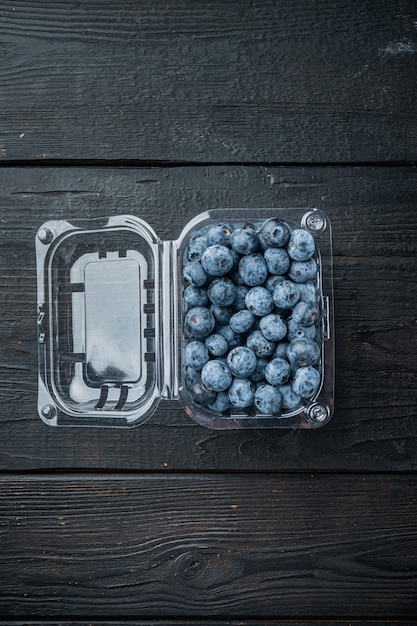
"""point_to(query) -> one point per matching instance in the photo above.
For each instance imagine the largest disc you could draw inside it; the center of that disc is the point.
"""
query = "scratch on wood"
(53, 192)
(395, 48)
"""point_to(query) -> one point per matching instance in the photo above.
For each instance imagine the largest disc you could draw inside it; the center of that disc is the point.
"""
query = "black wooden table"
(164, 110)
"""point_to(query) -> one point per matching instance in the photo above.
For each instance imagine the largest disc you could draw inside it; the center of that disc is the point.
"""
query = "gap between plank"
(105, 475)
(68, 163)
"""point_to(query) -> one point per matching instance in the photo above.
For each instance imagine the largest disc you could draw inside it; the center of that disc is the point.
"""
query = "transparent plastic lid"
(97, 314)
(121, 319)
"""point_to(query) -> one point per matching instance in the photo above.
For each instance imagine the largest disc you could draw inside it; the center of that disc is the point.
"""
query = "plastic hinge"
(325, 313)
(169, 320)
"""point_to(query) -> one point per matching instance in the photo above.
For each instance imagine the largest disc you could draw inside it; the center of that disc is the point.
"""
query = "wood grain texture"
(209, 622)
(375, 262)
(242, 81)
(201, 546)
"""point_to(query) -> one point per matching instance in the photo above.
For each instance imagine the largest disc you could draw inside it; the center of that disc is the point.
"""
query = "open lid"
(98, 321)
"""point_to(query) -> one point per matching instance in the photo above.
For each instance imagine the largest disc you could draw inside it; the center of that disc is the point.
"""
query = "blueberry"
(273, 327)
(259, 373)
(268, 400)
(221, 314)
(261, 346)
(259, 301)
(306, 382)
(194, 273)
(215, 375)
(198, 322)
(219, 234)
(302, 271)
(296, 331)
(196, 247)
(236, 260)
(239, 301)
(241, 361)
(191, 376)
(303, 352)
(196, 355)
(217, 260)
(274, 233)
(245, 240)
(286, 294)
(301, 245)
(277, 371)
(242, 321)
(305, 313)
(221, 291)
(308, 291)
(237, 279)
(201, 394)
(289, 398)
(216, 344)
(281, 350)
(195, 296)
(273, 281)
(221, 402)
(233, 339)
(277, 260)
(253, 269)
(241, 393)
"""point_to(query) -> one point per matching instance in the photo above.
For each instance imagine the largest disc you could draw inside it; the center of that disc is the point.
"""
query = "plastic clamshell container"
(110, 321)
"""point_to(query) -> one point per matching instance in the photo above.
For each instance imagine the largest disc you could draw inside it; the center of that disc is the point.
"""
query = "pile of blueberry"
(251, 318)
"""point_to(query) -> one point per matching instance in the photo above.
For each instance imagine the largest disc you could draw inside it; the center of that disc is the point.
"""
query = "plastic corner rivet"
(48, 411)
(315, 221)
(45, 235)
(318, 413)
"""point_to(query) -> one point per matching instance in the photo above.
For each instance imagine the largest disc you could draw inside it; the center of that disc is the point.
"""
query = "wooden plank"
(374, 232)
(240, 81)
(230, 545)
(211, 622)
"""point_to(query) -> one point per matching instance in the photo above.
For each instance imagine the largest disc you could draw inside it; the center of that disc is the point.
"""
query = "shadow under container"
(110, 321)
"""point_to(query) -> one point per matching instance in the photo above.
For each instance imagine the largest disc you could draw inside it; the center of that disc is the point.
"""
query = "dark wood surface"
(210, 621)
(237, 81)
(164, 110)
(375, 264)
(253, 545)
